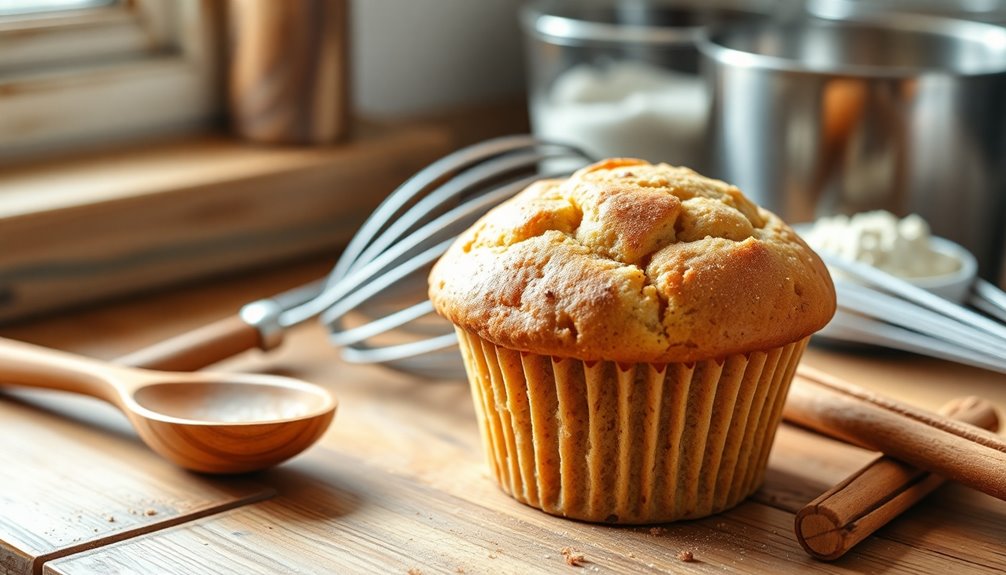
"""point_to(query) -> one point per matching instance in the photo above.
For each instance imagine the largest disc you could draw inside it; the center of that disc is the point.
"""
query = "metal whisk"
(380, 280)
(374, 300)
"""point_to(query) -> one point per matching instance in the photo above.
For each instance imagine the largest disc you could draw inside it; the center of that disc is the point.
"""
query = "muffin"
(630, 334)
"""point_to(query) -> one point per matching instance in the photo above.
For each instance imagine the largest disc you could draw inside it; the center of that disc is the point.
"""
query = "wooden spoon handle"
(198, 348)
(840, 518)
(34, 366)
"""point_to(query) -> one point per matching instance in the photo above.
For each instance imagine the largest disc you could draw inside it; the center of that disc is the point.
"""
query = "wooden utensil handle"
(199, 348)
(846, 514)
(931, 442)
(31, 365)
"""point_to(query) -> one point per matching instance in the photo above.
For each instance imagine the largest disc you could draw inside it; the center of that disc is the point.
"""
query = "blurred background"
(146, 143)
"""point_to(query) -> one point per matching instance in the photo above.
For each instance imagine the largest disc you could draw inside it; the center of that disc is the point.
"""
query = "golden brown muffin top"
(633, 262)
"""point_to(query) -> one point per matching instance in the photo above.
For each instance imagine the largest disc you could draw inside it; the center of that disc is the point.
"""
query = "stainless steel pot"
(909, 115)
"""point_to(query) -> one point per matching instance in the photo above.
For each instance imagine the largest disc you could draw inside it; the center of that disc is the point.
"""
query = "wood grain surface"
(104, 225)
(398, 482)
(349, 517)
(73, 476)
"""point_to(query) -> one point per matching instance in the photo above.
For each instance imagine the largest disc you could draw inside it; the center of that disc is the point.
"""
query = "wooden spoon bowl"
(207, 422)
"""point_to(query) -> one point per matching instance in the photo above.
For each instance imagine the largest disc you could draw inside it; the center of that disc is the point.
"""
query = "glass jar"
(622, 78)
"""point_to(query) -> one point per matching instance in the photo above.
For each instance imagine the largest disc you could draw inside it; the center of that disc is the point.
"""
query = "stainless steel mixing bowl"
(909, 115)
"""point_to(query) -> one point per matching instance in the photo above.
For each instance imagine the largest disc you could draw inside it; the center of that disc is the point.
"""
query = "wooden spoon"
(208, 422)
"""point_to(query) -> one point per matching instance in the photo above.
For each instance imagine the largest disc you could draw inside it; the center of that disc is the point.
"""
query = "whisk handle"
(252, 328)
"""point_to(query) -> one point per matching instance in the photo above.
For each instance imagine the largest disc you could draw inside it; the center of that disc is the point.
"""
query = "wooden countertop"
(398, 485)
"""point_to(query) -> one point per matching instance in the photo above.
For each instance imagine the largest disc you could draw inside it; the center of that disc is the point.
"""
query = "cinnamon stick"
(846, 514)
(926, 440)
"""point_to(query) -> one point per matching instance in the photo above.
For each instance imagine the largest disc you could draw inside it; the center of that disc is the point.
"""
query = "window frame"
(150, 68)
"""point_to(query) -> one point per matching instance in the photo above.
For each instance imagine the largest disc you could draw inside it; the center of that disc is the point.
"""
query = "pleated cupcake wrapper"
(627, 443)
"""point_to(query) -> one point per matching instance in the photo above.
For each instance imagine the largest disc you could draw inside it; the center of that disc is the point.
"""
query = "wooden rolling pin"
(868, 499)
(931, 442)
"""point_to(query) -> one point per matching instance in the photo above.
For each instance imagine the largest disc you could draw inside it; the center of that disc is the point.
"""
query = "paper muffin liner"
(628, 443)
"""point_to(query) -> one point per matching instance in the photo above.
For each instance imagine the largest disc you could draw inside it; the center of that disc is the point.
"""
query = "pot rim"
(714, 45)
(541, 21)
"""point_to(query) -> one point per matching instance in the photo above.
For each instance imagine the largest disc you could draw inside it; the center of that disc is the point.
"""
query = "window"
(75, 71)
(16, 7)
(105, 220)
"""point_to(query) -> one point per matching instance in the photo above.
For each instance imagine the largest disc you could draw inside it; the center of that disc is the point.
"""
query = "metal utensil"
(877, 308)
(384, 265)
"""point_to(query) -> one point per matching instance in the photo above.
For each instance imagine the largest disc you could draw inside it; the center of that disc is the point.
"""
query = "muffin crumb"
(150, 512)
(414, 571)
(658, 531)
(686, 556)
(573, 558)
(110, 518)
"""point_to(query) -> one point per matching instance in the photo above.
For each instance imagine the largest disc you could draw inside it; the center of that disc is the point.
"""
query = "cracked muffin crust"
(632, 262)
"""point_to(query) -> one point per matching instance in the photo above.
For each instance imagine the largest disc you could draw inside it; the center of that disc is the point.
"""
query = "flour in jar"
(627, 108)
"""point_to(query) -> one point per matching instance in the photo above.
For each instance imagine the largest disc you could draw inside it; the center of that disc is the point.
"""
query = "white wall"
(414, 56)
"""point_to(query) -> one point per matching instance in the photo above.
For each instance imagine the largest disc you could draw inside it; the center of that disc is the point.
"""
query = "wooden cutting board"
(398, 484)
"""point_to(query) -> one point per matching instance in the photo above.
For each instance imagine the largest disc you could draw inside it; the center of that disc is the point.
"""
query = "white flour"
(899, 247)
(627, 108)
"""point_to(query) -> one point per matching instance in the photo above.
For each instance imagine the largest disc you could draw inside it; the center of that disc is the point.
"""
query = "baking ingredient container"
(622, 78)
